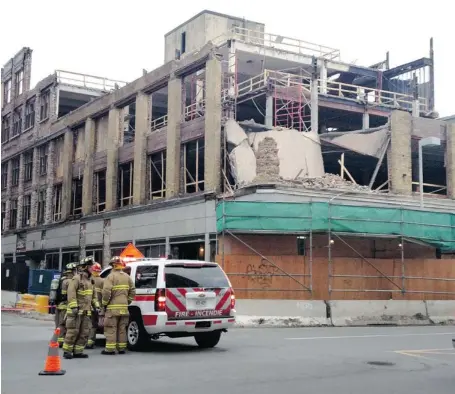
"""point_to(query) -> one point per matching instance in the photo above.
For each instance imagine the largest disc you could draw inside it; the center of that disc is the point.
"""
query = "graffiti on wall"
(261, 275)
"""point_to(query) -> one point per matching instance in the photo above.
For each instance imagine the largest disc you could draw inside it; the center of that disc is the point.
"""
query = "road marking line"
(373, 336)
(415, 355)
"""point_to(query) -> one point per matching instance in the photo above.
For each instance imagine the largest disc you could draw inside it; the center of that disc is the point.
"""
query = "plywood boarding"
(352, 278)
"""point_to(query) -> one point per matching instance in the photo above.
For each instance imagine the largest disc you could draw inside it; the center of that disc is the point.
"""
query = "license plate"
(203, 324)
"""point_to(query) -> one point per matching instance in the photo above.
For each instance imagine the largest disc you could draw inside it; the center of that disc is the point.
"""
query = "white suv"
(178, 298)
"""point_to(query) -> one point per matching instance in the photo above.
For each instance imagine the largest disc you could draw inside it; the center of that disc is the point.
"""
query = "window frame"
(30, 114)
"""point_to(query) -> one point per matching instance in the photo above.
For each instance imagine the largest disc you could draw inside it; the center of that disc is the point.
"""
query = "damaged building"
(296, 171)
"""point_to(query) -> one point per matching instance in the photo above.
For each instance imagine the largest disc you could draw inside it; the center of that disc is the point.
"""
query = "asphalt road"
(373, 360)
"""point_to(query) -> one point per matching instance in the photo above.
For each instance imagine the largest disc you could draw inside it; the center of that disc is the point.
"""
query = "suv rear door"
(196, 291)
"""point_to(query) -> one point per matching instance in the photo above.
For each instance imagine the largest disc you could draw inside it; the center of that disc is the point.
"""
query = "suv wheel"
(208, 339)
(135, 333)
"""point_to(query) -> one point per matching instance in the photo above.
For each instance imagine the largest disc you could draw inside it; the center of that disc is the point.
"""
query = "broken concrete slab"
(243, 163)
(299, 153)
(366, 142)
(235, 135)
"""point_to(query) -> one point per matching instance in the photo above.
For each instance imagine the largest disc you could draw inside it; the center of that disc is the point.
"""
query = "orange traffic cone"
(52, 365)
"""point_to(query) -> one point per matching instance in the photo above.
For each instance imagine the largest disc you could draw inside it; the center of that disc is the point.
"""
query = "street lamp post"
(428, 141)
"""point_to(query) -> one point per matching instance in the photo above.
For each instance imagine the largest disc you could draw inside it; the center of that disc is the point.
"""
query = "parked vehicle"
(178, 298)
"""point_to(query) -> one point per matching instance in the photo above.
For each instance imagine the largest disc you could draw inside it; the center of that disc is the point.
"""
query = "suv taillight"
(160, 300)
(232, 299)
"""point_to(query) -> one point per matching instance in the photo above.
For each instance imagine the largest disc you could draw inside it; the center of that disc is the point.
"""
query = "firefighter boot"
(108, 353)
(68, 355)
(121, 352)
(80, 355)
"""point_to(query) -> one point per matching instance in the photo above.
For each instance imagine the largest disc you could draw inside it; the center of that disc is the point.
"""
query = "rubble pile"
(327, 181)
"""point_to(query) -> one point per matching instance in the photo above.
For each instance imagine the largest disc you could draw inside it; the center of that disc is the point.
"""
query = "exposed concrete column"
(269, 111)
(174, 105)
(113, 138)
(399, 154)
(212, 152)
(232, 71)
(9, 179)
(323, 76)
(143, 111)
(67, 166)
(207, 247)
(314, 105)
(35, 185)
(450, 153)
(87, 180)
(20, 192)
(365, 121)
(48, 217)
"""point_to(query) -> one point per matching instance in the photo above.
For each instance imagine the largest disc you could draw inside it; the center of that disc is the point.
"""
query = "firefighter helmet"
(115, 260)
(88, 261)
(96, 267)
(70, 267)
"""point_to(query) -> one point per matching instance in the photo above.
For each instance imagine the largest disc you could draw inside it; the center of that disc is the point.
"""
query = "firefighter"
(118, 293)
(98, 284)
(62, 300)
(81, 298)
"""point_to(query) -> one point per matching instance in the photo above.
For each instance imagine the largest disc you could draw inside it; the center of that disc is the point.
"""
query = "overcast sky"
(117, 39)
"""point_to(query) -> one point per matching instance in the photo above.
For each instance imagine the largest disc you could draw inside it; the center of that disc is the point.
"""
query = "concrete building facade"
(87, 168)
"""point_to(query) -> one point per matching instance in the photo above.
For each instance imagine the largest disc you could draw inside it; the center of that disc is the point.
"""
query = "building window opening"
(157, 167)
(58, 151)
(193, 158)
(15, 171)
(30, 114)
(96, 254)
(57, 203)
(28, 166)
(19, 82)
(4, 175)
(52, 261)
(129, 123)
(76, 197)
(183, 43)
(26, 210)
(43, 159)
(7, 91)
(3, 215)
(69, 257)
(41, 206)
(13, 214)
(17, 121)
(301, 245)
(100, 194)
(6, 126)
(44, 105)
(125, 190)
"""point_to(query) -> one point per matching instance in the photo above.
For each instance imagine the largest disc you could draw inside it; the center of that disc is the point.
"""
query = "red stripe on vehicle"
(182, 292)
(231, 321)
(217, 292)
(171, 323)
(175, 301)
(217, 322)
(223, 300)
(190, 323)
(149, 320)
(144, 298)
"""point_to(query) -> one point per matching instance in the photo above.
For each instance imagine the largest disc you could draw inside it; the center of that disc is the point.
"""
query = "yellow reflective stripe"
(62, 306)
(72, 304)
(113, 306)
(60, 340)
(90, 342)
(85, 292)
(120, 287)
(64, 292)
(111, 345)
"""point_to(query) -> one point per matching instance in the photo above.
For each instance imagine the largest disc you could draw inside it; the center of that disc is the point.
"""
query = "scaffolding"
(336, 223)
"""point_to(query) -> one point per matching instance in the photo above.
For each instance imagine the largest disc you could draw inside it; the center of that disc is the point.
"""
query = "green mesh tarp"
(434, 228)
